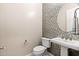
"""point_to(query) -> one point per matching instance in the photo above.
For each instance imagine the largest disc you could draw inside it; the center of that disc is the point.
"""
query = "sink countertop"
(73, 44)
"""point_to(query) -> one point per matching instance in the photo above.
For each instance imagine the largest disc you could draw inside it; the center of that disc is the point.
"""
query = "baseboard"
(30, 54)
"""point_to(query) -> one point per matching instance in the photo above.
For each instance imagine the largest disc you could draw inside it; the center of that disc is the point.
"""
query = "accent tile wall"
(50, 26)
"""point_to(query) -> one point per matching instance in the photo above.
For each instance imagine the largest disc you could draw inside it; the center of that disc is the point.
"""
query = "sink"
(65, 44)
(74, 44)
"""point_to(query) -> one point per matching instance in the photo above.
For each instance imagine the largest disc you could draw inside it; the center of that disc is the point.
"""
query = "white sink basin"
(74, 44)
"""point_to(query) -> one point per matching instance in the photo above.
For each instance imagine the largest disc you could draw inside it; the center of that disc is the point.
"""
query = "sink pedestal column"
(64, 51)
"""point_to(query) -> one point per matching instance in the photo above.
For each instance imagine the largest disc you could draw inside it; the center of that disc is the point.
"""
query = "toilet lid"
(39, 48)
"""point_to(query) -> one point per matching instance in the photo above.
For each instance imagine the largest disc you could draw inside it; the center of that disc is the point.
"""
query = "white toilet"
(41, 49)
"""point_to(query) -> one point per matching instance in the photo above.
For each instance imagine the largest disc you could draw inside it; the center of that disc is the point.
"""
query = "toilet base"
(43, 54)
(48, 54)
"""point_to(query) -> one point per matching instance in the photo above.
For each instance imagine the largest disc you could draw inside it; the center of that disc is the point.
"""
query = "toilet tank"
(46, 42)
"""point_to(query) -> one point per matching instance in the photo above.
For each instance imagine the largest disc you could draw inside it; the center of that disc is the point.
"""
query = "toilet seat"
(38, 50)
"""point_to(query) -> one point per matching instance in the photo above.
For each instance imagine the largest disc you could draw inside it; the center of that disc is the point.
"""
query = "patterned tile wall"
(50, 26)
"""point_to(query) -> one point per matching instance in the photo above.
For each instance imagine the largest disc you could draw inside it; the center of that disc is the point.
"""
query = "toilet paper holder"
(2, 47)
(25, 42)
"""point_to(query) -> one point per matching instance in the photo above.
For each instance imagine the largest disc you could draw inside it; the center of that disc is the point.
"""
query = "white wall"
(20, 22)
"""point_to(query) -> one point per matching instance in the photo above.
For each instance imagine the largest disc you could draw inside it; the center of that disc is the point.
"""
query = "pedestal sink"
(65, 44)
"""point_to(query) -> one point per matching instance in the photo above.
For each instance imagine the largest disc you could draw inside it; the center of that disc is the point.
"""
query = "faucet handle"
(62, 35)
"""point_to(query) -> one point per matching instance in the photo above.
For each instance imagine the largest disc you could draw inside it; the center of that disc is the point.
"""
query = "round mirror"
(63, 16)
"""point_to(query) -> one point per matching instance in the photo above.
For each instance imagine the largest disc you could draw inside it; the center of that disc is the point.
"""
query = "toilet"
(41, 49)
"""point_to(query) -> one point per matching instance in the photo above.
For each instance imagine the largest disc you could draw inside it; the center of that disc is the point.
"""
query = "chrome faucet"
(70, 36)
(67, 35)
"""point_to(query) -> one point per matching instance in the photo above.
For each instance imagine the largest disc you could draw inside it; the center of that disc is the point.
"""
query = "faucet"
(67, 35)
(70, 36)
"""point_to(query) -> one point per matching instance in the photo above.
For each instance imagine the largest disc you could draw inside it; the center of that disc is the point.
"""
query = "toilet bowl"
(41, 49)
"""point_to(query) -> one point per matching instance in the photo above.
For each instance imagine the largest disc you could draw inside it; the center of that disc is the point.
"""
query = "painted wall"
(20, 22)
